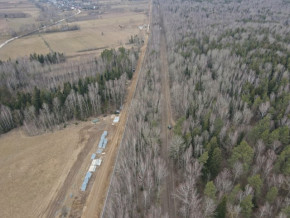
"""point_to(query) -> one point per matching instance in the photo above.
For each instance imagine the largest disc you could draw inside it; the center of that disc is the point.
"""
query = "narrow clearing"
(55, 204)
(96, 198)
(168, 202)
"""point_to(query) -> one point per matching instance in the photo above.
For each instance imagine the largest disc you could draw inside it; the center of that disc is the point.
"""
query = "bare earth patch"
(33, 168)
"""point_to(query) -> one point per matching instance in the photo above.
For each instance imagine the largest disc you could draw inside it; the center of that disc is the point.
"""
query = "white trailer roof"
(94, 162)
(92, 168)
(99, 162)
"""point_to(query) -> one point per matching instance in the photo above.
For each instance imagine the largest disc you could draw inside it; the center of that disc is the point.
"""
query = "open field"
(97, 33)
(110, 27)
(69, 191)
(21, 47)
(9, 25)
(36, 168)
(33, 168)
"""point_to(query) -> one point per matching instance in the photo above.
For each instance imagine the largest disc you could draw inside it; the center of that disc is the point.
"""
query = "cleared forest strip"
(97, 196)
(167, 119)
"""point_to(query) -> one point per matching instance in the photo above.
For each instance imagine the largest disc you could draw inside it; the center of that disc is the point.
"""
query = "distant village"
(68, 5)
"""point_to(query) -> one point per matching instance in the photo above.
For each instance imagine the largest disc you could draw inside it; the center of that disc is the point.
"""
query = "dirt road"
(33, 169)
(96, 199)
(55, 204)
(168, 202)
(37, 30)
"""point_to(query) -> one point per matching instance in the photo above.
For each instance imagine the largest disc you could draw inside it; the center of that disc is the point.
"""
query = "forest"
(44, 92)
(229, 63)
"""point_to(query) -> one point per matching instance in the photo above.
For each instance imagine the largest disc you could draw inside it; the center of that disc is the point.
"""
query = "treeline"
(42, 109)
(25, 74)
(62, 28)
(136, 39)
(51, 58)
(13, 15)
(230, 94)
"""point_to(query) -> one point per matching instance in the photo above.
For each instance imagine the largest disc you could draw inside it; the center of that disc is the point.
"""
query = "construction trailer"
(99, 151)
(94, 162)
(92, 168)
(86, 181)
(98, 162)
(93, 156)
(103, 141)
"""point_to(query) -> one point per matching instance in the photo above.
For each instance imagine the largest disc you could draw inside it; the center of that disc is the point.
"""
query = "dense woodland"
(46, 91)
(140, 171)
(229, 64)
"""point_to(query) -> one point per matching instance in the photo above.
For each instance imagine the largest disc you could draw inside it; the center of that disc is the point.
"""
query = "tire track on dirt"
(54, 205)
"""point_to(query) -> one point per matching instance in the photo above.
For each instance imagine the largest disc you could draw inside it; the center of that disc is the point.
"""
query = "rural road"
(34, 31)
(96, 201)
(168, 201)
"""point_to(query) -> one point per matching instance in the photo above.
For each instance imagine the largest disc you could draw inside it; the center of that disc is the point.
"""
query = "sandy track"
(34, 168)
(168, 201)
(96, 199)
(54, 205)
